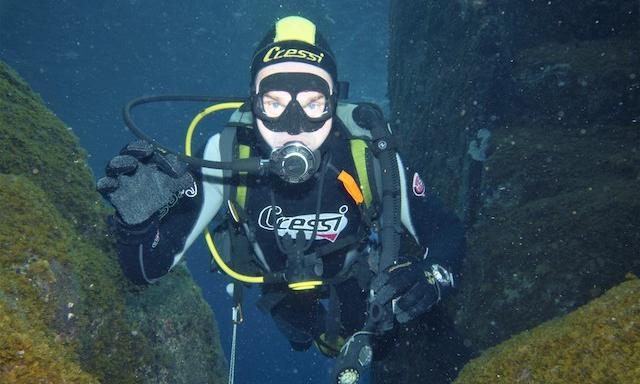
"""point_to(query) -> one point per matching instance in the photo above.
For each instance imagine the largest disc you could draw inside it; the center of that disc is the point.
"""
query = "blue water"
(87, 59)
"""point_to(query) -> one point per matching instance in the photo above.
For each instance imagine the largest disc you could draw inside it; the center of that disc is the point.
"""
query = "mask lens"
(314, 104)
(293, 102)
(274, 103)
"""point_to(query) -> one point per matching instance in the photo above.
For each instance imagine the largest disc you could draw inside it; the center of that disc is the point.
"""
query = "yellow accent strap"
(295, 28)
(358, 152)
(351, 186)
(398, 266)
(327, 348)
(305, 285)
(244, 151)
(234, 211)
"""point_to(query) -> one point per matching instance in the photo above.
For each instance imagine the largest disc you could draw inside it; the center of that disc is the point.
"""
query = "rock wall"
(66, 312)
(527, 115)
(597, 343)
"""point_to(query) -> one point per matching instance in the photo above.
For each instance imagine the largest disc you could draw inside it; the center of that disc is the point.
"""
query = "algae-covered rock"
(532, 138)
(554, 231)
(578, 83)
(30, 355)
(36, 144)
(559, 217)
(172, 314)
(597, 343)
(66, 312)
(528, 129)
(40, 314)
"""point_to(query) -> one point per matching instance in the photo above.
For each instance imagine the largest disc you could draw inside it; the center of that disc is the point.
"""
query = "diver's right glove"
(143, 184)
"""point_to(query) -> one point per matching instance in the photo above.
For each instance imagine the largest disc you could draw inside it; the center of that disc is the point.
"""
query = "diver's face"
(292, 102)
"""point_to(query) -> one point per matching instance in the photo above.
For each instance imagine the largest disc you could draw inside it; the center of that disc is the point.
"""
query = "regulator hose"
(251, 165)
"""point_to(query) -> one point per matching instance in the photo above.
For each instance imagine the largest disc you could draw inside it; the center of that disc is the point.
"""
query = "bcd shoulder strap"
(234, 144)
(232, 147)
(367, 165)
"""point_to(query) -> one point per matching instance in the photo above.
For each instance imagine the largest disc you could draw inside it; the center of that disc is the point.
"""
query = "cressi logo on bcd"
(329, 224)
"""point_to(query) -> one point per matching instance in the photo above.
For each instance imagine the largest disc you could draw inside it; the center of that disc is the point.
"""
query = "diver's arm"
(148, 252)
(415, 283)
(436, 228)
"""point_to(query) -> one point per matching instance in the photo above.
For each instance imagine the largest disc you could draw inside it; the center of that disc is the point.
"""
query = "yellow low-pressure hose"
(224, 267)
(207, 235)
(196, 120)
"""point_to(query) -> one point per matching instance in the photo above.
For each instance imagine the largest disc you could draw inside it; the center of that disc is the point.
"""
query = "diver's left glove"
(407, 289)
(141, 182)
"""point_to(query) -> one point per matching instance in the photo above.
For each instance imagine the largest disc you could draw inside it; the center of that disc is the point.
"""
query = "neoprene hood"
(294, 38)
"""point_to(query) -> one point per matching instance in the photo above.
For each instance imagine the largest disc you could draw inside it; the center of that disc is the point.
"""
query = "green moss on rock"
(558, 227)
(36, 144)
(551, 207)
(29, 354)
(597, 343)
(557, 223)
(67, 314)
(65, 292)
(179, 322)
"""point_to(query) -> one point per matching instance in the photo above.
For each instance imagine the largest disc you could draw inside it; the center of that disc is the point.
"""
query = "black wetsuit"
(274, 207)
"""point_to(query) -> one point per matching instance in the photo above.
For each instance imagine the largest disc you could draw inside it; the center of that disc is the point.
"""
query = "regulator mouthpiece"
(294, 162)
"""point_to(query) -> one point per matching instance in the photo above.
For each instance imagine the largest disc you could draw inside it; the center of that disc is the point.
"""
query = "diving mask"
(293, 102)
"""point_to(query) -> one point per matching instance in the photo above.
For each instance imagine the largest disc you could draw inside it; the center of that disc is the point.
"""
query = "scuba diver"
(346, 242)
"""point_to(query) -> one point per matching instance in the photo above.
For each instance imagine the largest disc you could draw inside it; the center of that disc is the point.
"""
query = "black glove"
(141, 183)
(406, 290)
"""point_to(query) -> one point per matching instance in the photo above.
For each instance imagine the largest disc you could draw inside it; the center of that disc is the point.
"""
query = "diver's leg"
(353, 306)
(298, 316)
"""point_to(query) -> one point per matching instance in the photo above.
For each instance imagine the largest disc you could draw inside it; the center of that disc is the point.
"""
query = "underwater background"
(87, 59)
(524, 117)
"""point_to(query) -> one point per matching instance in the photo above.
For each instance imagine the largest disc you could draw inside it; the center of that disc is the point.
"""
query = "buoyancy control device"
(292, 163)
